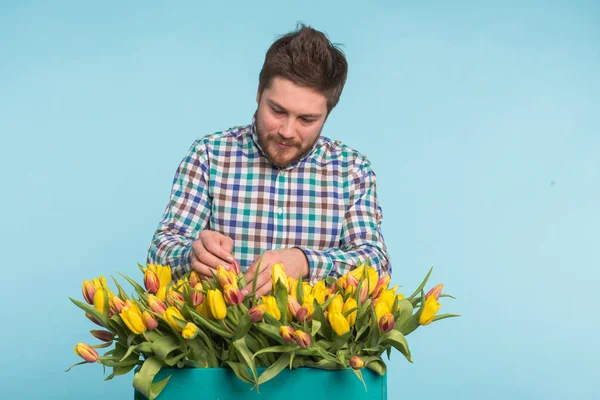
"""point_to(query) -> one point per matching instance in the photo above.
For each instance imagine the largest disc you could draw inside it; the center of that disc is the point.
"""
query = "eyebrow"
(276, 105)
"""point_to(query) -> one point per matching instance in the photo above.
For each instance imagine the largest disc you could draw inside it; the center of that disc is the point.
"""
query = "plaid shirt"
(325, 205)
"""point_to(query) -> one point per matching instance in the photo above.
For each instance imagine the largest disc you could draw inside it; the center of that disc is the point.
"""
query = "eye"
(277, 111)
(307, 120)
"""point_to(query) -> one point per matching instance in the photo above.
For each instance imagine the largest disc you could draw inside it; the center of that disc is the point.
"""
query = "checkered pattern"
(325, 204)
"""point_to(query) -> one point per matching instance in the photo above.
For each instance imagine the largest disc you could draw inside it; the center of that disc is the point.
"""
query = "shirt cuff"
(319, 264)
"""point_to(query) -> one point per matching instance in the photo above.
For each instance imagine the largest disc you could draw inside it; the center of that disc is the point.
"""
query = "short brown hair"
(307, 58)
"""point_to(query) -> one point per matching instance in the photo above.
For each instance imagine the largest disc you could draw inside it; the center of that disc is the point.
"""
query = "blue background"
(480, 119)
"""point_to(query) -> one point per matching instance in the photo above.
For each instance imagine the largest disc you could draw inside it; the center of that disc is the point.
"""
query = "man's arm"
(187, 213)
(361, 236)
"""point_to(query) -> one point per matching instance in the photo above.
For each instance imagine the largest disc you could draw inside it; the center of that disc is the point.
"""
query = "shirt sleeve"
(187, 213)
(361, 238)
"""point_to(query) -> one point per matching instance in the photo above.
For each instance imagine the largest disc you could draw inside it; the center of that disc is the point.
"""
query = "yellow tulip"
(256, 313)
(336, 305)
(99, 282)
(233, 295)
(387, 296)
(99, 303)
(302, 338)
(226, 277)
(339, 324)
(149, 320)
(216, 304)
(356, 362)
(272, 308)
(151, 281)
(319, 294)
(162, 293)
(286, 333)
(117, 304)
(132, 316)
(371, 275)
(435, 291)
(156, 304)
(278, 274)
(89, 290)
(163, 273)
(306, 288)
(197, 295)
(381, 308)
(203, 309)
(293, 306)
(194, 279)
(349, 305)
(382, 284)
(87, 352)
(386, 323)
(174, 298)
(292, 287)
(428, 311)
(170, 314)
(190, 331)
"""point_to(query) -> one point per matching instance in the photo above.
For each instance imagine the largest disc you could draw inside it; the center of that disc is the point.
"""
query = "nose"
(286, 130)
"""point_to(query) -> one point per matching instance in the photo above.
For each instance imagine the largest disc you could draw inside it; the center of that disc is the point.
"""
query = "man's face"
(289, 120)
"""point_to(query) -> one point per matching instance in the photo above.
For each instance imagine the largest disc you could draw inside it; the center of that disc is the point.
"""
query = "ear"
(258, 95)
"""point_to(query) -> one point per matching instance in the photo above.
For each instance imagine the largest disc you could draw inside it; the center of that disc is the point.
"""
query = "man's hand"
(294, 262)
(211, 250)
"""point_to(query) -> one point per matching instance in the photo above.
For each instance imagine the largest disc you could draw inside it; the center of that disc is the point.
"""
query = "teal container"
(300, 383)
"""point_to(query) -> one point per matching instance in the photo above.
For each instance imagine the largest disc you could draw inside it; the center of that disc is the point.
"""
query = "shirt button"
(280, 211)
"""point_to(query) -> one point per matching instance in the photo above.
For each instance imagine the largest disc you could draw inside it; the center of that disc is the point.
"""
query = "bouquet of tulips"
(344, 323)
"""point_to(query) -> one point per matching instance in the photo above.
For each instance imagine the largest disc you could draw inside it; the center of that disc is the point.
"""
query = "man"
(277, 188)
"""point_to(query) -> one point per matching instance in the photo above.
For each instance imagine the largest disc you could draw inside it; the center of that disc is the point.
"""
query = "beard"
(282, 157)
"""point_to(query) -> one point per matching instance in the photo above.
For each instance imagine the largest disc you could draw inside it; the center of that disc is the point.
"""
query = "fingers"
(264, 276)
(264, 289)
(214, 245)
(249, 274)
(200, 267)
(213, 249)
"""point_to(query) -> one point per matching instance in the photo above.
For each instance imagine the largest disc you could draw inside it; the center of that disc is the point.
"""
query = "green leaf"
(122, 293)
(325, 330)
(397, 339)
(300, 291)
(443, 316)
(254, 280)
(277, 349)
(421, 286)
(281, 295)
(74, 365)
(405, 311)
(243, 327)
(140, 290)
(165, 346)
(243, 350)
(271, 320)
(142, 380)
(323, 364)
(269, 330)
(144, 347)
(240, 370)
(120, 371)
(316, 325)
(211, 325)
(359, 375)
(375, 364)
(274, 369)
(100, 317)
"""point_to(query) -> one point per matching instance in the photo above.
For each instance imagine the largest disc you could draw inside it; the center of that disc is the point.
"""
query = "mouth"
(283, 145)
